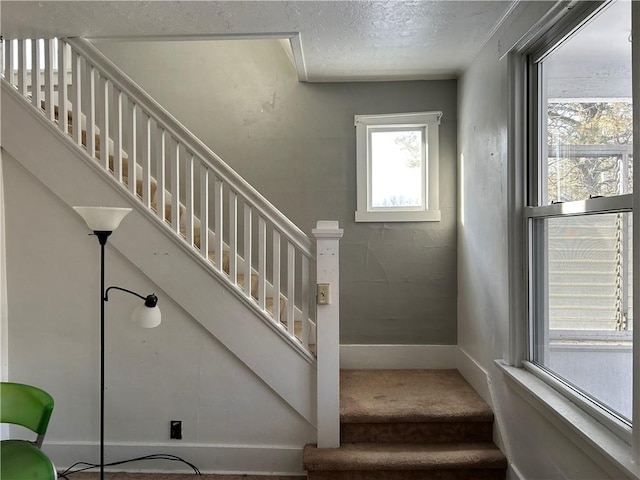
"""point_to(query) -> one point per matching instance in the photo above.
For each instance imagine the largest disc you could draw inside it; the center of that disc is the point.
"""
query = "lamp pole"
(102, 238)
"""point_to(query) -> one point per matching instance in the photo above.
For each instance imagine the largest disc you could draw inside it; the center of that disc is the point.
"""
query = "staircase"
(104, 141)
(409, 424)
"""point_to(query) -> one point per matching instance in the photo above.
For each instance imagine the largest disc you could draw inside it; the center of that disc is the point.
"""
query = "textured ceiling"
(338, 40)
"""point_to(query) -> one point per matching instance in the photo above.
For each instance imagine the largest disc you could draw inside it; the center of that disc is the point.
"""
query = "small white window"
(397, 163)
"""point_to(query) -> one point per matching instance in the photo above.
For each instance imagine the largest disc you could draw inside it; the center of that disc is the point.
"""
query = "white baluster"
(63, 93)
(204, 210)
(77, 97)
(304, 299)
(36, 82)
(175, 187)
(49, 55)
(161, 169)
(189, 197)
(22, 67)
(262, 261)
(132, 173)
(146, 160)
(8, 60)
(91, 110)
(247, 249)
(218, 203)
(328, 236)
(291, 293)
(105, 134)
(233, 236)
(118, 133)
(276, 275)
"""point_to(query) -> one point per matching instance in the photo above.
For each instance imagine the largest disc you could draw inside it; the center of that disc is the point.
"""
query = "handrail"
(180, 132)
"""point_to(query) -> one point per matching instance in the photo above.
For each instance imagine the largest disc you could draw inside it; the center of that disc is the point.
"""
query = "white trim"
(437, 357)
(513, 473)
(605, 448)
(619, 203)
(400, 216)
(517, 145)
(298, 57)
(591, 408)
(4, 316)
(208, 458)
(408, 119)
(475, 374)
(635, 85)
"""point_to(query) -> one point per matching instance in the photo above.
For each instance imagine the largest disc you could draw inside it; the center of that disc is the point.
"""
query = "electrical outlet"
(324, 293)
(175, 429)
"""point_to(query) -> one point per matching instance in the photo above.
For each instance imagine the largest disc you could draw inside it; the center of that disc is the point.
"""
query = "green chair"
(29, 407)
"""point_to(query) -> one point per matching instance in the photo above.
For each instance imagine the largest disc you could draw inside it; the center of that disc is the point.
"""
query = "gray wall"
(535, 445)
(295, 143)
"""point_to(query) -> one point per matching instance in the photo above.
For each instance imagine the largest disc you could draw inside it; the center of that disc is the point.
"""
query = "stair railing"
(249, 243)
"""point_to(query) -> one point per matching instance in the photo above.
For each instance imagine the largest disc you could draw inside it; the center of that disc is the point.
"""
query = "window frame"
(365, 125)
(524, 208)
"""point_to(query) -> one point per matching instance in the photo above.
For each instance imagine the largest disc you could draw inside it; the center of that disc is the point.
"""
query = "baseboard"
(513, 473)
(208, 458)
(473, 373)
(398, 356)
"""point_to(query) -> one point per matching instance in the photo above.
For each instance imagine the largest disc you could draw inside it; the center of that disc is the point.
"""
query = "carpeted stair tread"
(254, 283)
(399, 456)
(385, 396)
(196, 235)
(225, 259)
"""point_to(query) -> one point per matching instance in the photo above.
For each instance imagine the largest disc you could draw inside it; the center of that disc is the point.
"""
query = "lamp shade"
(146, 317)
(102, 219)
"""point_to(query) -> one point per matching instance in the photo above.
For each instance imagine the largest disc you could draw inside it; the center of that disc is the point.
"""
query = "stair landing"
(408, 396)
(409, 424)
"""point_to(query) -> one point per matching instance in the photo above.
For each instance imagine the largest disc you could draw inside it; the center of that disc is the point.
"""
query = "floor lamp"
(102, 221)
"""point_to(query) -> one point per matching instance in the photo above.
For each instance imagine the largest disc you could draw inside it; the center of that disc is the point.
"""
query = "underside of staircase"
(409, 425)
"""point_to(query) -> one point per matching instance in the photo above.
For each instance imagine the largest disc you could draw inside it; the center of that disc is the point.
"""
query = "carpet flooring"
(384, 396)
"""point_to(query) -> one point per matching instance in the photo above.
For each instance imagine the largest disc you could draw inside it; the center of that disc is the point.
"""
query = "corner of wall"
(475, 374)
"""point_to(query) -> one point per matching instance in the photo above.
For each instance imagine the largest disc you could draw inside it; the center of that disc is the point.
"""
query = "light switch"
(324, 293)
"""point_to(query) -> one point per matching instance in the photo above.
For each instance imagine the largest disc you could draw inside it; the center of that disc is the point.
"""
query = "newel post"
(328, 234)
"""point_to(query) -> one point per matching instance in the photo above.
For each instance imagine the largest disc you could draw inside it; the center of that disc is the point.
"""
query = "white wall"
(535, 446)
(231, 420)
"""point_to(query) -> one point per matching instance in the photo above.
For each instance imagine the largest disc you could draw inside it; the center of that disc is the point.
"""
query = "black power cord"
(160, 456)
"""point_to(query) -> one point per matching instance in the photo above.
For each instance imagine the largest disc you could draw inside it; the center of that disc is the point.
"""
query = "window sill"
(399, 216)
(573, 422)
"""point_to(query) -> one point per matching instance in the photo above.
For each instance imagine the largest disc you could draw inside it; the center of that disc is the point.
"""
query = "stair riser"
(427, 432)
(462, 474)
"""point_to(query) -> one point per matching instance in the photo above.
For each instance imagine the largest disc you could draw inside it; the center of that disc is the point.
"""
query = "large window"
(579, 215)
(397, 165)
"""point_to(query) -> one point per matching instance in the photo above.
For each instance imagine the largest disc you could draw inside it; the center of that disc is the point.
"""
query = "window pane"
(397, 170)
(586, 93)
(583, 277)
